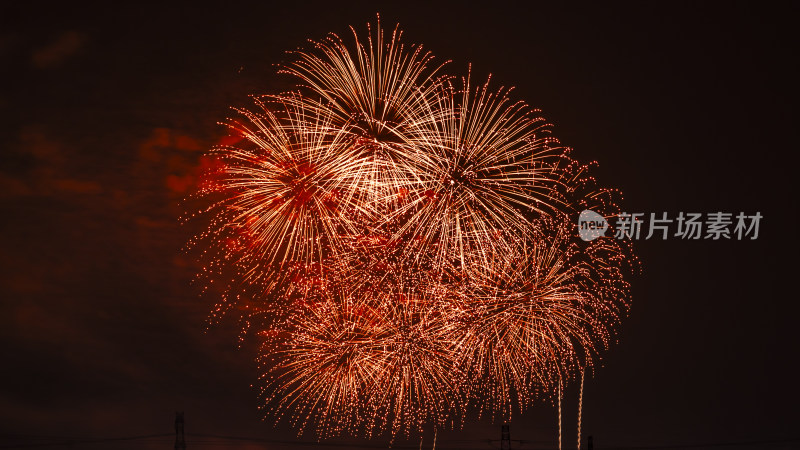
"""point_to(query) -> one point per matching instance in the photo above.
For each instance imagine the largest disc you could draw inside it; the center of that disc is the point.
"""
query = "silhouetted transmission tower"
(180, 442)
(505, 438)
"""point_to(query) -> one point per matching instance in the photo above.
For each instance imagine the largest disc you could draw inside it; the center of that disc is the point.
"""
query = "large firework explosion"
(400, 243)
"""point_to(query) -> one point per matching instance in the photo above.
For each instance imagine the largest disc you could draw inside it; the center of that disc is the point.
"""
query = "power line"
(316, 444)
(64, 441)
(714, 444)
(83, 441)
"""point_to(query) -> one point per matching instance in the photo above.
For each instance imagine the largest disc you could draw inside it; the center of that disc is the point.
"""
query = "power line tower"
(180, 442)
(505, 437)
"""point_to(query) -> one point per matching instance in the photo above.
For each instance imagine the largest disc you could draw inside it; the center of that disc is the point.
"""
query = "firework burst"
(366, 359)
(488, 170)
(403, 246)
(532, 320)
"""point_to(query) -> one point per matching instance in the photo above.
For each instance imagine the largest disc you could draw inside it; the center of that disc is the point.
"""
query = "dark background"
(106, 110)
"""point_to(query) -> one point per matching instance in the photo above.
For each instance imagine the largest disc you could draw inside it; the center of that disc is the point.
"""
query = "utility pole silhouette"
(180, 442)
(505, 437)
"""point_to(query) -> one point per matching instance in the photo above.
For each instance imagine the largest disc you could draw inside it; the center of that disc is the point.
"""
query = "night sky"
(106, 111)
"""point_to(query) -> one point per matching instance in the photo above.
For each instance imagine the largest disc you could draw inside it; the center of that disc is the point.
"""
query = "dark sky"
(106, 111)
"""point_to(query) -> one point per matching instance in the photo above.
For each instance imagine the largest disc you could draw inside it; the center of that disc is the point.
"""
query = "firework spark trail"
(402, 247)
(580, 410)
